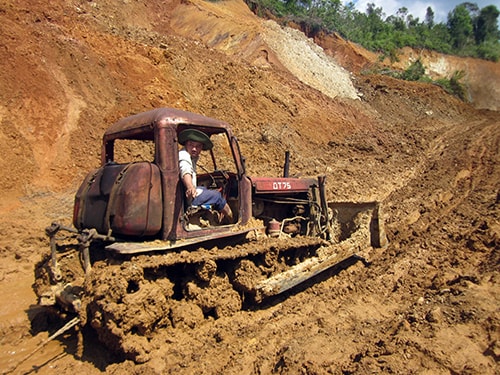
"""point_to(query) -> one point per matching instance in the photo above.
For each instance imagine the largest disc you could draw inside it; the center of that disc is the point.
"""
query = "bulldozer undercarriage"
(128, 298)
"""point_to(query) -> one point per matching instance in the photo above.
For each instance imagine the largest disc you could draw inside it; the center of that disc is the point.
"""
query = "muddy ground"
(428, 303)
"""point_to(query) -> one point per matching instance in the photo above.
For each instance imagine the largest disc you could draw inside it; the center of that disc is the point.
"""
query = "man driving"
(195, 141)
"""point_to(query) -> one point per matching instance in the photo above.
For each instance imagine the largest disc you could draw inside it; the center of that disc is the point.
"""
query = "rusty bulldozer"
(137, 245)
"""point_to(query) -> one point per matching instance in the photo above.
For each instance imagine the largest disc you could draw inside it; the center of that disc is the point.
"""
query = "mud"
(427, 303)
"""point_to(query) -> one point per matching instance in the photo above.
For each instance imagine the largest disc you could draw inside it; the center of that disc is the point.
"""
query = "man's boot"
(227, 215)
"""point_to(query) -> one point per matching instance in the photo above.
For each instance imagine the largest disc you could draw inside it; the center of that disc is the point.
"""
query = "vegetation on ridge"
(416, 72)
(469, 30)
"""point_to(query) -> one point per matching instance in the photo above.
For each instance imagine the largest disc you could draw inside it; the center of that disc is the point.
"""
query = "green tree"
(329, 12)
(453, 85)
(472, 8)
(440, 38)
(414, 72)
(402, 15)
(375, 18)
(486, 24)
(460, 26)
(429, 17)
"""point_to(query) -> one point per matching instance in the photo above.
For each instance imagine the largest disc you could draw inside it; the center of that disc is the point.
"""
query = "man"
(194, 141)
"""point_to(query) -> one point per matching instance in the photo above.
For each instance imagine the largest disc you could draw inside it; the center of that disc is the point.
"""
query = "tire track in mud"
(445, 175)
(424, 269)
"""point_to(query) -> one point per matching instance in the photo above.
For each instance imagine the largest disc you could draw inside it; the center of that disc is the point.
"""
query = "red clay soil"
(427, 303)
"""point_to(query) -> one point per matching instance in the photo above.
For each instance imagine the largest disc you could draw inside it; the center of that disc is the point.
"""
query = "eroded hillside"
(426, 303)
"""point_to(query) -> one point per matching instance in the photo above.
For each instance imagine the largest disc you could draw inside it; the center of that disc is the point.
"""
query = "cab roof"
(143, 125)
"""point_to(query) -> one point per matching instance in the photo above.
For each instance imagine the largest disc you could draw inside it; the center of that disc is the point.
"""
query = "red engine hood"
(282, 184)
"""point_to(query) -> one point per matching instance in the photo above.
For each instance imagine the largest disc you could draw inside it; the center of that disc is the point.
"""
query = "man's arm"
(187, 179)
(186, 172)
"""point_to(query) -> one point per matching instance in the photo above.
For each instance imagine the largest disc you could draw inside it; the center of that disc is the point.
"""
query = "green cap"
(197, 136)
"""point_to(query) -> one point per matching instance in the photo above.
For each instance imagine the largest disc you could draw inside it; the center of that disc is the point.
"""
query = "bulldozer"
(140, 258)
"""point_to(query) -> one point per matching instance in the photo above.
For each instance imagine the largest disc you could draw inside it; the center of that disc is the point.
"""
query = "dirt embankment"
(428, 303)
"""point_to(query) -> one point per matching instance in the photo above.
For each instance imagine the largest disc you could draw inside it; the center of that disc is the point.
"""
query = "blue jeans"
(210, 197)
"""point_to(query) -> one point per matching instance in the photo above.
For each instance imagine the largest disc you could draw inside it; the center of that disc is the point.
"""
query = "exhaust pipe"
(286, 167)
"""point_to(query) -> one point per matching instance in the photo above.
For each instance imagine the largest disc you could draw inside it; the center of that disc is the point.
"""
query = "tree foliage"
(469, 31)
(460, 27)
(453, 85)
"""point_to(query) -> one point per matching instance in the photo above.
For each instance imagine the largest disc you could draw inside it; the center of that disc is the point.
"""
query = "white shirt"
(187, 165)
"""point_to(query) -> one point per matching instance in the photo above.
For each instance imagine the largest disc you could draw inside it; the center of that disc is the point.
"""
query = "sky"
(418, 8)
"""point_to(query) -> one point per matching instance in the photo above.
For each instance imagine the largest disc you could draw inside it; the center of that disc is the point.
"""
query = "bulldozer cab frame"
(155, 134)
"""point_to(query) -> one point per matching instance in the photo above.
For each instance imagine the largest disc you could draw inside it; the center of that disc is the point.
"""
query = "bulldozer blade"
(357, 228)
(364, 217)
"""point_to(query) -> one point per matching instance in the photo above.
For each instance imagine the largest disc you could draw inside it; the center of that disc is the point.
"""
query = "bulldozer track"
(129, 300)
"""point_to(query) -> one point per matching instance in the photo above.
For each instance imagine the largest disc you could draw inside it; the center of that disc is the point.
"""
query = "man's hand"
(191, 192)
